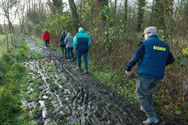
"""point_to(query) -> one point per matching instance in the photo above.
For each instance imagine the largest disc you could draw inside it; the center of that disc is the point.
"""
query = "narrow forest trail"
(58, 94)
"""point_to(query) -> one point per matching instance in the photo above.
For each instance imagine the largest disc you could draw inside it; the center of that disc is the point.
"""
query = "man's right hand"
(128, 73)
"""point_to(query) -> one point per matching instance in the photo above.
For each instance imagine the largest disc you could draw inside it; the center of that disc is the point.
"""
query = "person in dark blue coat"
(152, 56)
(62, 44)
(82, 43)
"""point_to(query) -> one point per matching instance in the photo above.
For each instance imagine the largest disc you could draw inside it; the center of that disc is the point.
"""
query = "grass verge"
(12, 78)
(37, 40)
(2, 46)
(118, 83)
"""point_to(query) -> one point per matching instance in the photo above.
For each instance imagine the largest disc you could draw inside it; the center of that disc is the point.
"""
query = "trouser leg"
(144, 91)
(71, 53)
(62, 49)
(86, 60)
(79, 55)
(68, 53)
(46, 43)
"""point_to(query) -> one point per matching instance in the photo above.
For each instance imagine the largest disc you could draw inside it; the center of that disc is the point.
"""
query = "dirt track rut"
(59, 94)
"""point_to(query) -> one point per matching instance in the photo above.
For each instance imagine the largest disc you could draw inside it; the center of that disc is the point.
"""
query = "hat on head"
(81, 29)
(150, 30)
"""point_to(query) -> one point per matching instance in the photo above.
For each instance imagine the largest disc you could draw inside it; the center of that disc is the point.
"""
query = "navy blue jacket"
(152, 56)
(62, 39)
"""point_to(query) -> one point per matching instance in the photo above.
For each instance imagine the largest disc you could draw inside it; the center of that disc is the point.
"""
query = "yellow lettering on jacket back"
(159, 48)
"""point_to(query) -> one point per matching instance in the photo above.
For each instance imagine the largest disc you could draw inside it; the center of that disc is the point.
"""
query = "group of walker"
(81, 42)
(152, 56)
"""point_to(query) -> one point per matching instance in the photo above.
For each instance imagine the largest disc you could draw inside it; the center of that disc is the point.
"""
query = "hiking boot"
(85, 72)
(150, 121)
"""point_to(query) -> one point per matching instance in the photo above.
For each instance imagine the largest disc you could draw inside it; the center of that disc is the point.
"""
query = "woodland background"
(116, 28)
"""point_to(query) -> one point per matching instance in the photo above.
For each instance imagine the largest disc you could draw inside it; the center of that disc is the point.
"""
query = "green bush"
(16, 72)
(12, 76)
(22, 53)
(185, 51)
(9, 107)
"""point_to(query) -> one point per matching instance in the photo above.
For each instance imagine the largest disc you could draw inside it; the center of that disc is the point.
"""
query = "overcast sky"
(13, 11)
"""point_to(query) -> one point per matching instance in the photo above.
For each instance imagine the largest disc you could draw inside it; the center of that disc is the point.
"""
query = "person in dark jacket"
(62, 44)
(82, 43)
(152, 56)
(46, 38)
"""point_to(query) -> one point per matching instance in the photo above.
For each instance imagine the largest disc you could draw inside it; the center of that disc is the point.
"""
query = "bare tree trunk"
(157, 15)
(29, 5)
(102, 4)
(168, 17)
(21, 16)
(7, 15)
(125, 13)
(141, 4)
(125, 9)
(104, 12)
(57, 5)
(6, 6)
(74, 13)
(6, 30)
(115, 7)
(41, 5)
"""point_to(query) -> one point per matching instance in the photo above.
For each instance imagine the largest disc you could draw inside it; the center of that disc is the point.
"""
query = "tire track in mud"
(64, 95)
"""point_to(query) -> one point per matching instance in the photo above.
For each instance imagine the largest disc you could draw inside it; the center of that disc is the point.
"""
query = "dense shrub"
(9, 107)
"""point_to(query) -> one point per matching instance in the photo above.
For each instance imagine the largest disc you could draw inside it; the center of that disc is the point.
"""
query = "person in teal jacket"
(82, 43)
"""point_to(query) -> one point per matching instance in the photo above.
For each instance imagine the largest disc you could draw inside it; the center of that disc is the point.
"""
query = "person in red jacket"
(46, 38)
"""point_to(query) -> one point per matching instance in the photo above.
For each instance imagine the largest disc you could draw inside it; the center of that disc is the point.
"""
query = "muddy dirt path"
(58, 94)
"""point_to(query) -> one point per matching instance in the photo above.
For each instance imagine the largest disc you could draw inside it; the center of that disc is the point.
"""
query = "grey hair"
(152, 30)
